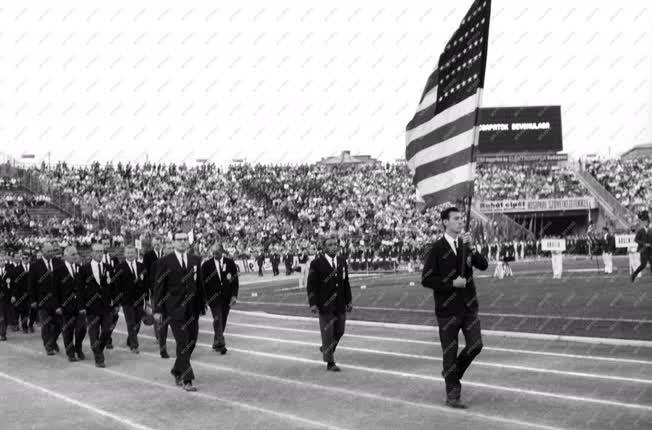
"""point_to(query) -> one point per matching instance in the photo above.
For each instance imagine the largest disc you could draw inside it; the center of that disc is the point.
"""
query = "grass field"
(273, 377)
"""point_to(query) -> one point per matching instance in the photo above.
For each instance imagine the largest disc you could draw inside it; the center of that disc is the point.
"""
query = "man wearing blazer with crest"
(179, 294)
(220, 275)
(45, 297)
(448, 271)
(66, 276)
(96, 294)
(329, 294)
(132, 294)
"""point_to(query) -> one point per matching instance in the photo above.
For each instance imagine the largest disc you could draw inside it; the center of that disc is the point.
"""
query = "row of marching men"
(75, 300)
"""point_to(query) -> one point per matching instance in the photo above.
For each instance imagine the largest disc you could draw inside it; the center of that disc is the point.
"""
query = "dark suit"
(275, 259)
(112, 263)
(74, 325)
(260, 260)
(44, 292)
(98, 301)
(5, 301)
(179, 294)
(219, 291)
(132, 295)
(455, 308)
(644, 240)
(330, 291)
(150, 261)
(20, 291)
(608, 243)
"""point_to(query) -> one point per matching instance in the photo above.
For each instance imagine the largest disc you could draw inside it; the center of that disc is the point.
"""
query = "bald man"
(132, 293)
(97, 301)
(221, 284)
(45, 297)
(66, 277)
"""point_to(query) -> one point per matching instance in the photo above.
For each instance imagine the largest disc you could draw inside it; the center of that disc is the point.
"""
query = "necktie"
(50, 265)
(133, 269)
(183, 262)
(333, 260)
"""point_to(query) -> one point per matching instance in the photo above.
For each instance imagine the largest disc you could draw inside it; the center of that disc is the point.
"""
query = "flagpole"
(469, 196)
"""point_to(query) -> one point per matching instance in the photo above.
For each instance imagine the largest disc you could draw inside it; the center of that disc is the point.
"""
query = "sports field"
(574, 353)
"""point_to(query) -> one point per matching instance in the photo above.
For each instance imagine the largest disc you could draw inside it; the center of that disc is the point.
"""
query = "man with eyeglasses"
(179, 294)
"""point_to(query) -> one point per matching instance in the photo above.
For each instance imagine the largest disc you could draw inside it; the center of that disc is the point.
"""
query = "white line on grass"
(437, 379)
(124, 421)
(432, 358)
(436, 344)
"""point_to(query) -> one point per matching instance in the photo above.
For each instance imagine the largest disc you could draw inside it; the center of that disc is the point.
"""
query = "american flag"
(441, 137)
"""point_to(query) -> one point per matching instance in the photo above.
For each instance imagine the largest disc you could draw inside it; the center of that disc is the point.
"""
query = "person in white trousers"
(557, 264)
(608, 249)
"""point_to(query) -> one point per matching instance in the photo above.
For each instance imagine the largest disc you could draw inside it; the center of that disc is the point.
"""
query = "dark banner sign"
(520, 129)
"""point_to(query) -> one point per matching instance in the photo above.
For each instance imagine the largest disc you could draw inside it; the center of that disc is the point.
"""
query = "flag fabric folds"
(441, 137)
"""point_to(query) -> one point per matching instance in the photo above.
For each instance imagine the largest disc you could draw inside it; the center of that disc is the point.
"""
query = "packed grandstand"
(261, 209)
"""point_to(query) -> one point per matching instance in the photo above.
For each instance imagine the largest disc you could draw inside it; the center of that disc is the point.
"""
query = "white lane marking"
(500, 333)
(438, 379)
(335, 390)
(433, 358)
(431, 343)
(282, 415)
(97, 411)
(489, 314)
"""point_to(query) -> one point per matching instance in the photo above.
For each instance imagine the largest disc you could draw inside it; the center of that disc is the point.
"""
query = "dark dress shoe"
(3, 338)
(25, 330)
(189, 387)
(101, 365)
(109, 346)
(50, 352)
(31, 329)
(177, 380)
(332, 367)
(455, 403)
(81, 355)
(72, 358)
(223, 351)
(55, 347)
(135, 350)
(164, 354)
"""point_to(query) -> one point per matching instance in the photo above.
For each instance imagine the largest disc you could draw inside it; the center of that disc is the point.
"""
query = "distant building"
(345, 158)
(639, 151)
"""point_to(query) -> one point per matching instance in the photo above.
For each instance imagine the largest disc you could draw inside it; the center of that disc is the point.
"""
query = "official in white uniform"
(557, 264)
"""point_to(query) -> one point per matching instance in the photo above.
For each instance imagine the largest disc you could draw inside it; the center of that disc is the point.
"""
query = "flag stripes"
(441, 137)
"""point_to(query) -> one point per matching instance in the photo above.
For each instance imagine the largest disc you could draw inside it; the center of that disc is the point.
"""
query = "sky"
(293, 82)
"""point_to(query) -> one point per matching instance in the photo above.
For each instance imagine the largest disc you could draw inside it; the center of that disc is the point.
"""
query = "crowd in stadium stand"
(628, 181)
(267, 209)
(526, 181)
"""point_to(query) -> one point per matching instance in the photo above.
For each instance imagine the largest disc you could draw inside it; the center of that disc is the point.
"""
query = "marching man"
(557, 259)
(608, 249)
(632, 253)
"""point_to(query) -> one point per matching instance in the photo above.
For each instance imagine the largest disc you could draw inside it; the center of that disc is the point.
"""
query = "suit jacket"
(642, 237)
(608, 244)
(217, 287)
(149, 260)
(329, 290)
(43, 289)
(5, 287)
(440, 268)
(67, 289)
(96, 299)
(131, 289)
(20, 286)
(179, 294)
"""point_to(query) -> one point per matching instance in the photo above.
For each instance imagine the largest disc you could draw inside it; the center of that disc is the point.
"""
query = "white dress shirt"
(71, 270)
(451, 241)
(218, 267)
(183, 259)
(97, 269)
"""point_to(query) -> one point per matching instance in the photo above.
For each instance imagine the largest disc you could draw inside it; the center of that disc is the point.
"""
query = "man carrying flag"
(440, 152)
